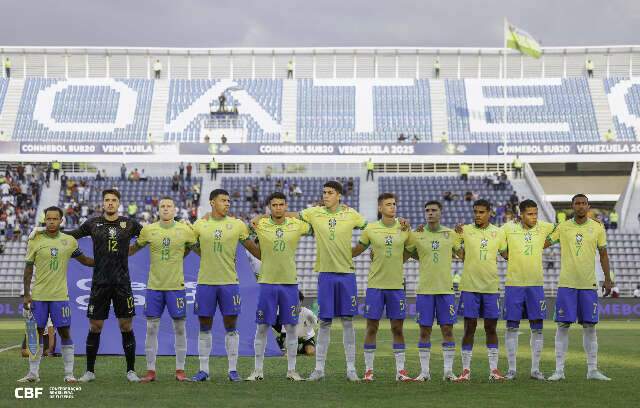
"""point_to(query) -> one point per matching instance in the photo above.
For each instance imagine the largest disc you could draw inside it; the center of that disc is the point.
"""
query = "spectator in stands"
(517, 167)
(175, 182)
(181, 171)
(513, 202)
(234, 109)
(267, 172)
(464, 171)
(123, 172)
(589, 67)
(495, 181)
(402, 138)
(132, 209)
(248, 193)
(189, 170)
(609, 136)
(297, 191)
(196, 194)
(615, 292)
(56, 166)
(278, 185)
(290, 69)
(254, 194)
(501, 210)
(48, 174)
(157, 69)
(447, 196)
(636, 292)
(64, 179)
(221, 103)
(213, 168)
(444, 138)
(436, 68)
(350, 186)
(7, 67)
(415, 139)
(223, 140)
(98, 176)
(370, 168)
(468, 196)
(613, 219)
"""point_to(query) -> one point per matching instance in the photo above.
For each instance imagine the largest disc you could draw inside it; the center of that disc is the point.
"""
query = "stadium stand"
(632, 102)
(4, 84)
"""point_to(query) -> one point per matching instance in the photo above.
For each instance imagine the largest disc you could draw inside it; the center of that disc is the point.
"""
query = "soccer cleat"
(368, 376)
(255, 376)
(449, 376)
(597, 375)
(233, 376)
(316, 375)
(132, 376)
(294, 376)
(556, 376)
(30, 377)
(510, 375)
(352, 376)
(149, 376)
(200, 376)
(465, 376)
(496, 375)
(181, 376)
(537, 375)
(423, 377)
(70, 379)
(87, 377)
(403, 376)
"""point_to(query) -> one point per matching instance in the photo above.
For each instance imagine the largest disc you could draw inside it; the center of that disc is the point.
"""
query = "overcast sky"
(222, 23)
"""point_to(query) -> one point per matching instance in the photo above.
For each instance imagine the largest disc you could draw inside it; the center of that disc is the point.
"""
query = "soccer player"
(111, 283)
(577, 297)
(385, 283)
(218, 237)
(479, 287)
(49, 253)
(524, 290)
(278, 237)
(435, 245)
(168, 241)
(305, 330)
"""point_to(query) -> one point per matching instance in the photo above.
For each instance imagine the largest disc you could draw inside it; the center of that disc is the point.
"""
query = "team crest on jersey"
(579, 239)
(166, 242)
(332, 223)
(54, 251)
(260, 314)
(112, 233)
(484, 242)
(279, 233)
(527, 237)
(217, 234)
(123, 224)
(435, 245)
(388, 240)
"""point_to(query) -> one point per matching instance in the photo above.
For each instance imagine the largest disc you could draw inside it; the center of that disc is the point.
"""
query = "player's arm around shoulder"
(554, 237)
(363, 242)
(142, 240)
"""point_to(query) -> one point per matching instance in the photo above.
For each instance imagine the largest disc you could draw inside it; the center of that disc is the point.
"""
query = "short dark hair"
(527, 204)
(433, 202)
(166, 198)
(579, 196)
(482, 203)
(53, 208)
(277, 195)
(386, 196)
(334, 185)
(111, 191)
(300, 296)
(217, 192)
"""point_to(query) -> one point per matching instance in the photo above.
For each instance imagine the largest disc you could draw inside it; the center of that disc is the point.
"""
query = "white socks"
(324, 338)
(562, 344)
(511, 343)
(67, 358)
(232, 344)
(467, 353)
(492, 351)
(151, 342)
(398, 353)
(369, 356)
(448, 354)
(292, 346)
(424, 352)
(349, 341)
(590, 344)
(536, 342)
(34, 365)
(259, 345)
(204, 349)
(180, 336)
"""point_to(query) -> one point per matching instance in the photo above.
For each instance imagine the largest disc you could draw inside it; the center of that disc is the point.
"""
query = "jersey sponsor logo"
(435, 245)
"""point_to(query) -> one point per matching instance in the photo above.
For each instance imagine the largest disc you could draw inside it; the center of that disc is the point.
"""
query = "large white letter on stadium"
(477, 104)
(248, 105)
(618, 104)
(364, 96)
(125, 114)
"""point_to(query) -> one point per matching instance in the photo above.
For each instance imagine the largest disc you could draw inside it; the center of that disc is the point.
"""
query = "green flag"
(522, 41)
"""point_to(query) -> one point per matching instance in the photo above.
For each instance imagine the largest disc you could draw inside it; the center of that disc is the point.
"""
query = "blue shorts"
(576, 304)
(475, 305)
(226, 297)
(337, 295)
(276, 299)
(430, 306)
(524, 302)
(174, 300)
(393, 300)
(59, 311)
